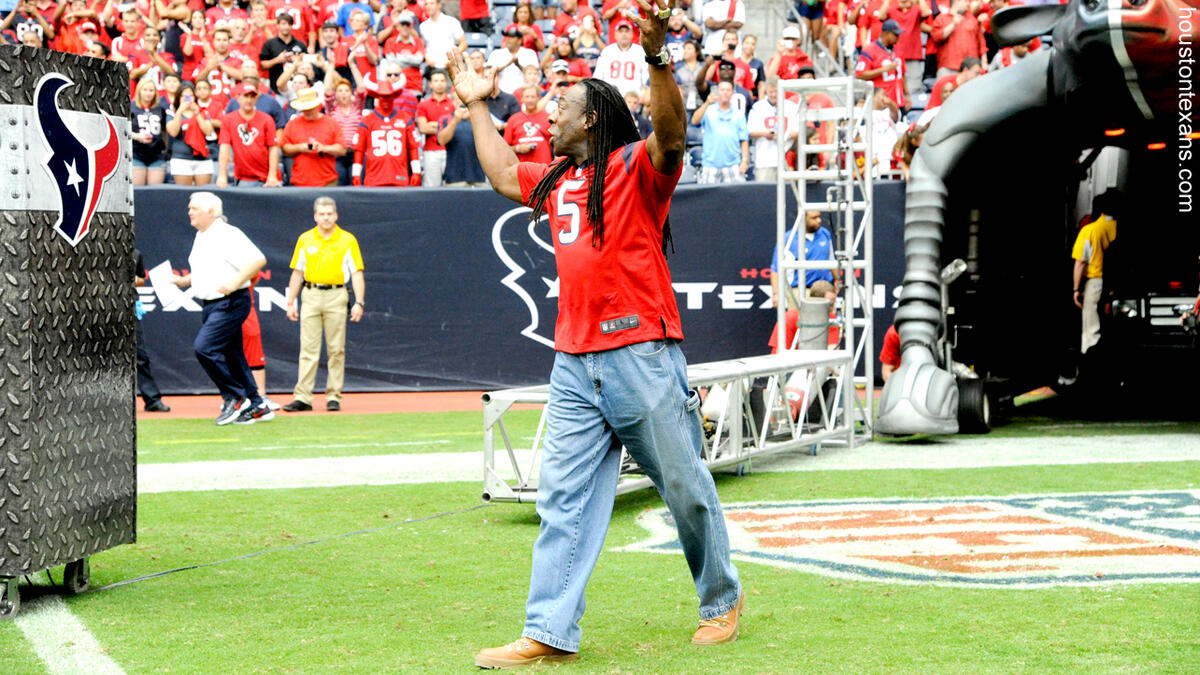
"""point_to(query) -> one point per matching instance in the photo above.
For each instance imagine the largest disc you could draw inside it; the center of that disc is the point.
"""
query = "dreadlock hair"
(612, 127)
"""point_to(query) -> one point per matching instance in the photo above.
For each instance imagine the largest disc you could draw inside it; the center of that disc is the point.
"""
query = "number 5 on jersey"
(570, 210)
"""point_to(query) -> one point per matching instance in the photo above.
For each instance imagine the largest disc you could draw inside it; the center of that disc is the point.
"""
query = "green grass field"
(423, 596)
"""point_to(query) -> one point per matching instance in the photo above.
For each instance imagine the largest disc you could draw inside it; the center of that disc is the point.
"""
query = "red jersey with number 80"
(620, 293)
(388, 148)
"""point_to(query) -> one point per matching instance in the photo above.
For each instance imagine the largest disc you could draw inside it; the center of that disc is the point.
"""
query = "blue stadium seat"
(547, 25)
(920, 100)
(504, 3)
(479, 41)
(501, 17)
(913, 116)
(928, 83)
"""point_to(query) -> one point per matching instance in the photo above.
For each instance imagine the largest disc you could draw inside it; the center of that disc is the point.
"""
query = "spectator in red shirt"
(125, 44)
(195, 45)
(971, 69)
(570, 15)
(26, 18)
(561, 49)
(475, 16)
(744, 76)
(958, 36)
(364, 48)
(880, 66)
(528, 131)
(148, 61)
(909, 14)
(789, 58)
(224, 9)
(868, 22)
(314, 141)
(248, 138)
(402, 44)
(222, 69)
(433, 108)
(531, 34)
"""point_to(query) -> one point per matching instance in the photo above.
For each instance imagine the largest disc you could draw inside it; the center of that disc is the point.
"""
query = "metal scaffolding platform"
(733, 438)
(847, 203)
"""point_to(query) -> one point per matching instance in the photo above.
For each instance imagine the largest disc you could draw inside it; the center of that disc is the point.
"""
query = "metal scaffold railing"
(833, 175)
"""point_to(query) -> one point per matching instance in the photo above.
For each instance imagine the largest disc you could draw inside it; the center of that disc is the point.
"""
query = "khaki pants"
(322, 311)
(1091, 313)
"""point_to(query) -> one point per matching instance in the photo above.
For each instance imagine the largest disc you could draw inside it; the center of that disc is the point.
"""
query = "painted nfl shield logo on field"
(1026, 541)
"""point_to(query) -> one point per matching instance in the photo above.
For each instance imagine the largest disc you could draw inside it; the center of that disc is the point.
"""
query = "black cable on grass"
(292, 547)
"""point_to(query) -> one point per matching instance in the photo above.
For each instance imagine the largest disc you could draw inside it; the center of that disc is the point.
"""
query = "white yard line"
(955, 453)
(60, 640)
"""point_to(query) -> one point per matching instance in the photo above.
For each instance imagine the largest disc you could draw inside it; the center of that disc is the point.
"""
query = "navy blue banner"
(460, 288)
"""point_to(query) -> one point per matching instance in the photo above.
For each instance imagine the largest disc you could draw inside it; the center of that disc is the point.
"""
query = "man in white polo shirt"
(441, 33)
(222, 262)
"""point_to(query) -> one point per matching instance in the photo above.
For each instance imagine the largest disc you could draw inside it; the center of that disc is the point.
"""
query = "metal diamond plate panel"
(67, 428)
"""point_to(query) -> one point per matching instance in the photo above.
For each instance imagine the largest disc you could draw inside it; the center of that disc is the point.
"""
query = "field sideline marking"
(956, 453)
(61, 641)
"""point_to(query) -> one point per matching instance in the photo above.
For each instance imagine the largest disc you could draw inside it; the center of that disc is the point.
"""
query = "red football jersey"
(412, 74)
(218, 13)
(389, 148)
(523, 128)
(620, 292)
(875, 55)
(433, 110)
(303, 19)
(250, 141)
(141, 57)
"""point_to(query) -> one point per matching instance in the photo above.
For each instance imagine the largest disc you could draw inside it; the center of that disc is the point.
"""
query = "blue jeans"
(219, 350)
(635, 395)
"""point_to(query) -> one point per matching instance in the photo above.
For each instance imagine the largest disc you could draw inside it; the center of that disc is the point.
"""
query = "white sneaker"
(272, 405)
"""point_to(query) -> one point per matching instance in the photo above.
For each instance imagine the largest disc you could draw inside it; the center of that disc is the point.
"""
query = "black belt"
(323, 287)
(227, 297)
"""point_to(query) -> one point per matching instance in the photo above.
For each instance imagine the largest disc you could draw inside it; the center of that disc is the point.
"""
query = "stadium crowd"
(339, 92)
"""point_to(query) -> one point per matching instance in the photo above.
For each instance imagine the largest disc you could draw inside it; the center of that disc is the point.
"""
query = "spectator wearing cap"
(879, 65)
(433, 108)
(441, 33)
(248, 139)
(726, 72)
(404, 101)
(720, 16)
(69, 21)
(621, 10)
(511, 59)
(528, 131)
(958, 36)
(1010, 55)
(908, 15)
(313, 140)
(680, 30)
(561, 49)
(559, 82)
(789, 58)
(531, 33)
(623, 63)
(568, 22)
(333, 48)
(402, 45)
(744, 76)
(725, 156)
(282, 49)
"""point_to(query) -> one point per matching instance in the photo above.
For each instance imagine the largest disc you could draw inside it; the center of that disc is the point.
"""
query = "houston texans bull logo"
(79, 172)
(526, 251)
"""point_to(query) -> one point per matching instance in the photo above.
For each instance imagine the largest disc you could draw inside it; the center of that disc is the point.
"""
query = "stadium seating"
(920, 100)
(479, 41)
(547, 25)
(913, 115)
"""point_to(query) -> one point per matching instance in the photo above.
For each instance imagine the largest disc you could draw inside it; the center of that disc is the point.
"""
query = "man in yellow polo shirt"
(325, 260)
(1088, 252)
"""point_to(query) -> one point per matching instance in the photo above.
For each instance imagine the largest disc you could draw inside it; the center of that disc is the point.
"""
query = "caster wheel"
(974, 407)
(77, 576)
(10, 599)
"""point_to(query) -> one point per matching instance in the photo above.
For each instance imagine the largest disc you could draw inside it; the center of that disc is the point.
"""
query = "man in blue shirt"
(726, 139)
(818, 245)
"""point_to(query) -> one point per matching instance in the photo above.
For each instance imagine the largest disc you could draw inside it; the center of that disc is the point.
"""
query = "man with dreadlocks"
(619, 377)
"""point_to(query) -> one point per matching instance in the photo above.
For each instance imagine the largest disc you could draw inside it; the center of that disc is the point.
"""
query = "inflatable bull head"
(1114, 65)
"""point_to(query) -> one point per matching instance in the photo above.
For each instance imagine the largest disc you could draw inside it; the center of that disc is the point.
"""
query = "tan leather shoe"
(722, 628)
(523, 652)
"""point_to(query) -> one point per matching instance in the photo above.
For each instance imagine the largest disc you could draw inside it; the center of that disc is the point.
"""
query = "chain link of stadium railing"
(292, 547)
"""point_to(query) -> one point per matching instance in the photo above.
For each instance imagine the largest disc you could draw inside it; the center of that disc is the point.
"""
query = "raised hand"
(469, 85)
(653, 26)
